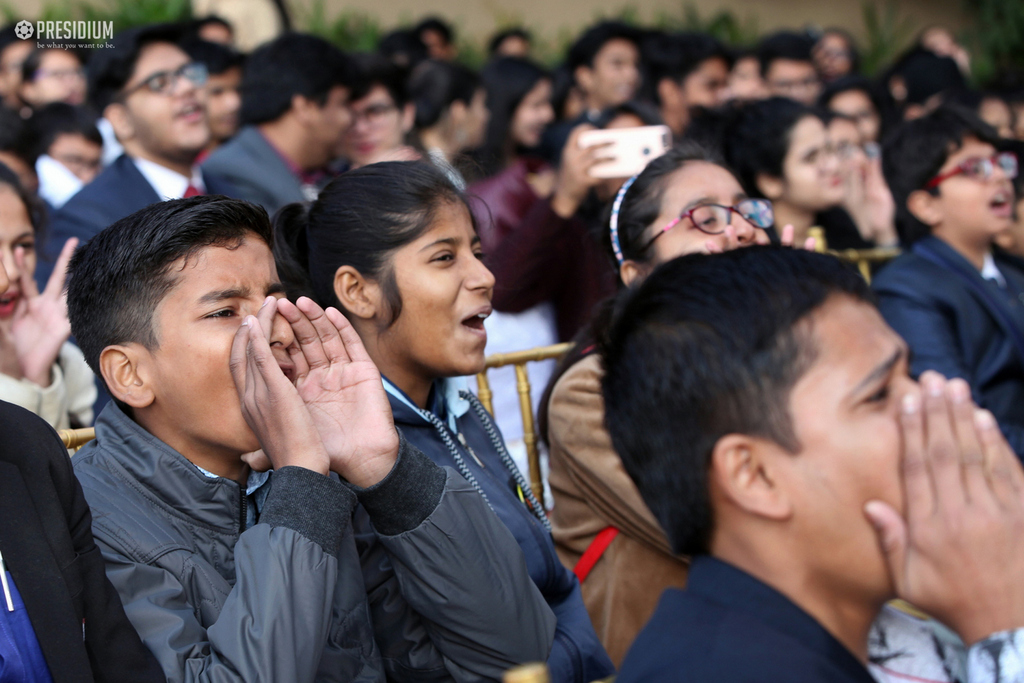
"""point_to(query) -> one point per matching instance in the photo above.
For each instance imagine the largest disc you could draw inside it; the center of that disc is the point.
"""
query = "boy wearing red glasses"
(956, 298)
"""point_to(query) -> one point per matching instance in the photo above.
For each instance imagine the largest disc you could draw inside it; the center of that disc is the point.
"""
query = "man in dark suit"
(769, 441)
(295, 109)
(151, 93)
(60, 618)
(955, 299)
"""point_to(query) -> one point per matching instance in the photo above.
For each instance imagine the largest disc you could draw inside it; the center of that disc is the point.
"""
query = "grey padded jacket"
(414, 579)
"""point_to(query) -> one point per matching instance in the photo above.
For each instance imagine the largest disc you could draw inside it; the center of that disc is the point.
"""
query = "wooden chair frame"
(520, 359)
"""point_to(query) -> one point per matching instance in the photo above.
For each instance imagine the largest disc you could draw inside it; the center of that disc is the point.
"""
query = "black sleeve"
(116, 653)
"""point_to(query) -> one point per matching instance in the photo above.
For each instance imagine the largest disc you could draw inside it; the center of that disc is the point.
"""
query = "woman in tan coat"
(683, 202)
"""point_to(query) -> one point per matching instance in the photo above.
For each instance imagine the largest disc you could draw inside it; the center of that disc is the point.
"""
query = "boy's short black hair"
(677, 55)
(119, 277)
(501, 36)
(294, 64)
(110, 69)
(217, 58)
(438, 25)
(784, 45)
(916, 150)
(59, 118)
(586, 47)
(709, 346)
(373, 70)
(403, 47)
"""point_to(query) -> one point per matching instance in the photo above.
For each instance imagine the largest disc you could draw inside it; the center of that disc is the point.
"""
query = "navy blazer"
(728, 627)
(119, 191)
(960, 325)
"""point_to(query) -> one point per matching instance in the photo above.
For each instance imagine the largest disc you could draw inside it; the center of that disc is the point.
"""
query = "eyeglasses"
(165, 82)
(979, 169)
(712, 219)
(373, 114)
(61, 74)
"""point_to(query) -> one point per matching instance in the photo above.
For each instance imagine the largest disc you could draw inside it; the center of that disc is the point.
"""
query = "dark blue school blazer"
(961, 325)
(728, 627)
(120, 190)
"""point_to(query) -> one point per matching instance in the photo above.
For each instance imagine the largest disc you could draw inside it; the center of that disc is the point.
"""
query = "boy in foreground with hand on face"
(232, 574)
(765, 412)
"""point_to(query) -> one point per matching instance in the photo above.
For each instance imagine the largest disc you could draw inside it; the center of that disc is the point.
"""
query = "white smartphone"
(631, 149)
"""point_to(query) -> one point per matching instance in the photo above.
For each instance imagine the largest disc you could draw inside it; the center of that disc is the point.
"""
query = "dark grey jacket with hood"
(414, 579)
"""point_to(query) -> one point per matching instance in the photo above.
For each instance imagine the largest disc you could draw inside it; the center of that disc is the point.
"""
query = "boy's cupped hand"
(957, 551)
(337, 398)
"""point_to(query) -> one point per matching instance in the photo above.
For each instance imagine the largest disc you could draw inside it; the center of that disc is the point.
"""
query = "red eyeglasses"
(980, 169)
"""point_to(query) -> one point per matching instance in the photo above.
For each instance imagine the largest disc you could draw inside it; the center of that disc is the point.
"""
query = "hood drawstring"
(499, 446)
(506, 459)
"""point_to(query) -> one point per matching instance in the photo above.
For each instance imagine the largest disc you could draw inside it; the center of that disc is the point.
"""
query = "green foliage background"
(995, 40)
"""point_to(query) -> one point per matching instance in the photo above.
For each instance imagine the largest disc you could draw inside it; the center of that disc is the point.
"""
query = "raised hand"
(270, 403)
(958, 551)
(343, 392)
(40, 323)
(574, 180)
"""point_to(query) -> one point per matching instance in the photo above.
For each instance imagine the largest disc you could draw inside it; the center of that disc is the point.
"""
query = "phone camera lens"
(647, 151)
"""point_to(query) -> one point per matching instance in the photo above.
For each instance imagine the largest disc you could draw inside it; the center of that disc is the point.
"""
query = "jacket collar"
(163, 472)
(446, 392)
(719, 582)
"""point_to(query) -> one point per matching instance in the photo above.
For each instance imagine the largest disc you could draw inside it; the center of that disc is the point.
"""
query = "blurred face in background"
(857, 105)
(224, 102)
(59, 78)
(795, 79)
(745, 82)
(378, 126)
(11, 59)
(532, 115)
(78, 154)
(811, 175)
(833, 56)
(614, 76)
(997, 113)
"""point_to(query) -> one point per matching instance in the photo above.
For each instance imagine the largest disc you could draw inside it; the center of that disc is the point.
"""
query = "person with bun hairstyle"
(394, 246)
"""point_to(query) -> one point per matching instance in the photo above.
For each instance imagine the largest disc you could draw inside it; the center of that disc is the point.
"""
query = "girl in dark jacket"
(394, 246)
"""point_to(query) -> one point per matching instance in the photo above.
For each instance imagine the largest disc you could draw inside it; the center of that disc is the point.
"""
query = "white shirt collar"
(989, 271)
(168, 184)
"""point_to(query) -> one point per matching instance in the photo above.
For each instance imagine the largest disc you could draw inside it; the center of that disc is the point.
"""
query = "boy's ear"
(408, 117)
(126, 374)
(770, 186)
(120, 120)
(584, 78)
(924, 206)
(358, 295)
(743, 469)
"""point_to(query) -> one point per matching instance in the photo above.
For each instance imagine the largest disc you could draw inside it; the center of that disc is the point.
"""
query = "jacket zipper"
(241, 510)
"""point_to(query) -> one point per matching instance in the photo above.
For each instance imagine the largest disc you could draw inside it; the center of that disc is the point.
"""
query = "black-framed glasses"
(712, 219)
(979, 169)
(165, 82)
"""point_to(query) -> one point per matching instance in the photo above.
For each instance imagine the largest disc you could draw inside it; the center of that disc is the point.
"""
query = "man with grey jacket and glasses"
(395, 569)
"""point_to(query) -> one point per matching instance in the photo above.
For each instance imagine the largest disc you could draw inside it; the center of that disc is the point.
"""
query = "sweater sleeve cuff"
(407, 496)
(309, 503)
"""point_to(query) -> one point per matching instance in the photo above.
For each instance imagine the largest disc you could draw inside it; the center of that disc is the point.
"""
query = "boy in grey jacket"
(397, 571)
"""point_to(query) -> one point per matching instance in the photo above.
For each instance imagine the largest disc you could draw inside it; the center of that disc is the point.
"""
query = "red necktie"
(192, 191)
